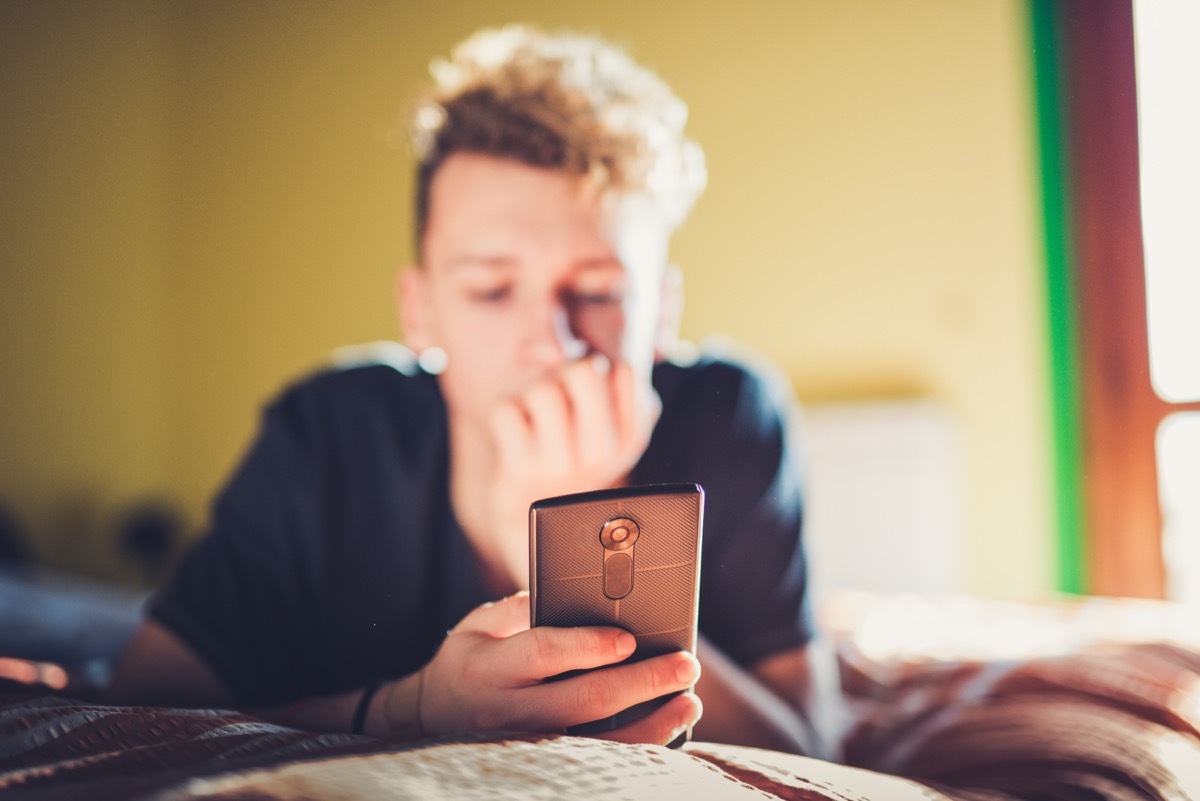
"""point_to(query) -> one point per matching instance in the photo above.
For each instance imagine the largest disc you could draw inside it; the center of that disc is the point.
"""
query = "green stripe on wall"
(1056, 214)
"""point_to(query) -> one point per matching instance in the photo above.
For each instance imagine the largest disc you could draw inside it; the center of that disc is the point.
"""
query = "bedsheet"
(951, 699)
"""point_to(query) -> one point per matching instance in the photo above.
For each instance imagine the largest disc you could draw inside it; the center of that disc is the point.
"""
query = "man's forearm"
(331, 713)
(385, 709)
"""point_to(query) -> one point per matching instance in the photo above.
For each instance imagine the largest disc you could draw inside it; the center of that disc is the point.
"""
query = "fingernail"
(688, 670)
(626, 643)
(601, 363)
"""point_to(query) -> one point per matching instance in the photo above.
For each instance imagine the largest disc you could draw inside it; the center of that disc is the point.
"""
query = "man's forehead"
(480, 183)
(496, 213)
(491, 263)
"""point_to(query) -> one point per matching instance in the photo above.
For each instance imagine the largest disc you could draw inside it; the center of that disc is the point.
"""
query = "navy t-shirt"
(333, 557)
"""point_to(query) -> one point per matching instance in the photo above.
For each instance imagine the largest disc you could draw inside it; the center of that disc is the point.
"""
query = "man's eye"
(492, 294)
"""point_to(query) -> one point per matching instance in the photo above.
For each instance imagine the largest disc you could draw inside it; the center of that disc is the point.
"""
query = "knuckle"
(594, 697)
(582, 381)
(576, 371)
(661, 679)
(597, 643)
(542, 648)
(543, 394)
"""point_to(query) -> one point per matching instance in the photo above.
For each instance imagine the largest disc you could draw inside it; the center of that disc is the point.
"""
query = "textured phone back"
(660, 610)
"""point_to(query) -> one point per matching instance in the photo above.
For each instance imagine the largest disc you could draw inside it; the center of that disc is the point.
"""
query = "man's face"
(522, 273)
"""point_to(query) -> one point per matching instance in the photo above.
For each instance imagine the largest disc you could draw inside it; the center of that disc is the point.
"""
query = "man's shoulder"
(378, 366)
(372, 382)
(721, 373)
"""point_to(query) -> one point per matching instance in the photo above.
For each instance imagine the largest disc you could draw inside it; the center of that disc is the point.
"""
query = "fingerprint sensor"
(618, 575)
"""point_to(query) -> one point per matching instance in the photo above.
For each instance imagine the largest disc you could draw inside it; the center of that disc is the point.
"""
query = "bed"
(952, 698)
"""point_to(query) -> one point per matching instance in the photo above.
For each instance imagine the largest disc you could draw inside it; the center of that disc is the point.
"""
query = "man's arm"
(790, 701)
(159, 669)
(489, 675)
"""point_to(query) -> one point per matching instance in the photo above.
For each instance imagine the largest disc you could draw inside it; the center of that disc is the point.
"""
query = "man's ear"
(670, 312)
(413, 308)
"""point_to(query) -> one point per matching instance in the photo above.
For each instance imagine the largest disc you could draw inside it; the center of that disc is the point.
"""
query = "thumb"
(502, 618)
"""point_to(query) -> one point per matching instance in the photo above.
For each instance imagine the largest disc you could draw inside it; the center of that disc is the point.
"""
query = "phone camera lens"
(619, 534)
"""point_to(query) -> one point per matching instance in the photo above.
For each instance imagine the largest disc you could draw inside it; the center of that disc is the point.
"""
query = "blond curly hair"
(562, 101)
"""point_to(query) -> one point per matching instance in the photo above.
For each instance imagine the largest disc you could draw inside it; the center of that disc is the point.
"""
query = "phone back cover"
(568, 558)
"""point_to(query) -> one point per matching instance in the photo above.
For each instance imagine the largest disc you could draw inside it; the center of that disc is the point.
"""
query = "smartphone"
(626, 557)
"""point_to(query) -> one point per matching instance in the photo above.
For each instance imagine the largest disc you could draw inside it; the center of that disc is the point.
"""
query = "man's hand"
(490, 673)
(581, 428)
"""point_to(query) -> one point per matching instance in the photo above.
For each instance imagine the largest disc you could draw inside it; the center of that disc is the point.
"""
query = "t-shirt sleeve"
(243, 595)
(754, 575)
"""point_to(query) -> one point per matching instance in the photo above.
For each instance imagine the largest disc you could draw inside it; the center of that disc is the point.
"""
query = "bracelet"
(403, 708)
(364, 705)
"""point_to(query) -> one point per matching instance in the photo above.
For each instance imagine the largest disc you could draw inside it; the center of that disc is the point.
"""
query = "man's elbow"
(156, 668)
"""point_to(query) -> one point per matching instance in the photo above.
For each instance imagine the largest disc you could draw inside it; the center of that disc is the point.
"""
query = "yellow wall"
(83, 261)
(210, 196)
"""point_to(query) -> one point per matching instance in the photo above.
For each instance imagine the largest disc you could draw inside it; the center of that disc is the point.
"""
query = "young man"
(351, 573)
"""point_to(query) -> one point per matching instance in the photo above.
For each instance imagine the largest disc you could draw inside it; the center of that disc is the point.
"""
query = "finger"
(593, 417)
(512, 434)
(624, 401)
(549, 421)
(499, 619)
(637, 409)
(662, 725)
(600, 693)
(547, 651)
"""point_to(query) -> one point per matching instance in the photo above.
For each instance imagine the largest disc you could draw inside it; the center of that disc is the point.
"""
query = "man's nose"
(550, 338)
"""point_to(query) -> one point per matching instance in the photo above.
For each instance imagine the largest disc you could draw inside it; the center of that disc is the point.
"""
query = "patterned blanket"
(975, 703)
